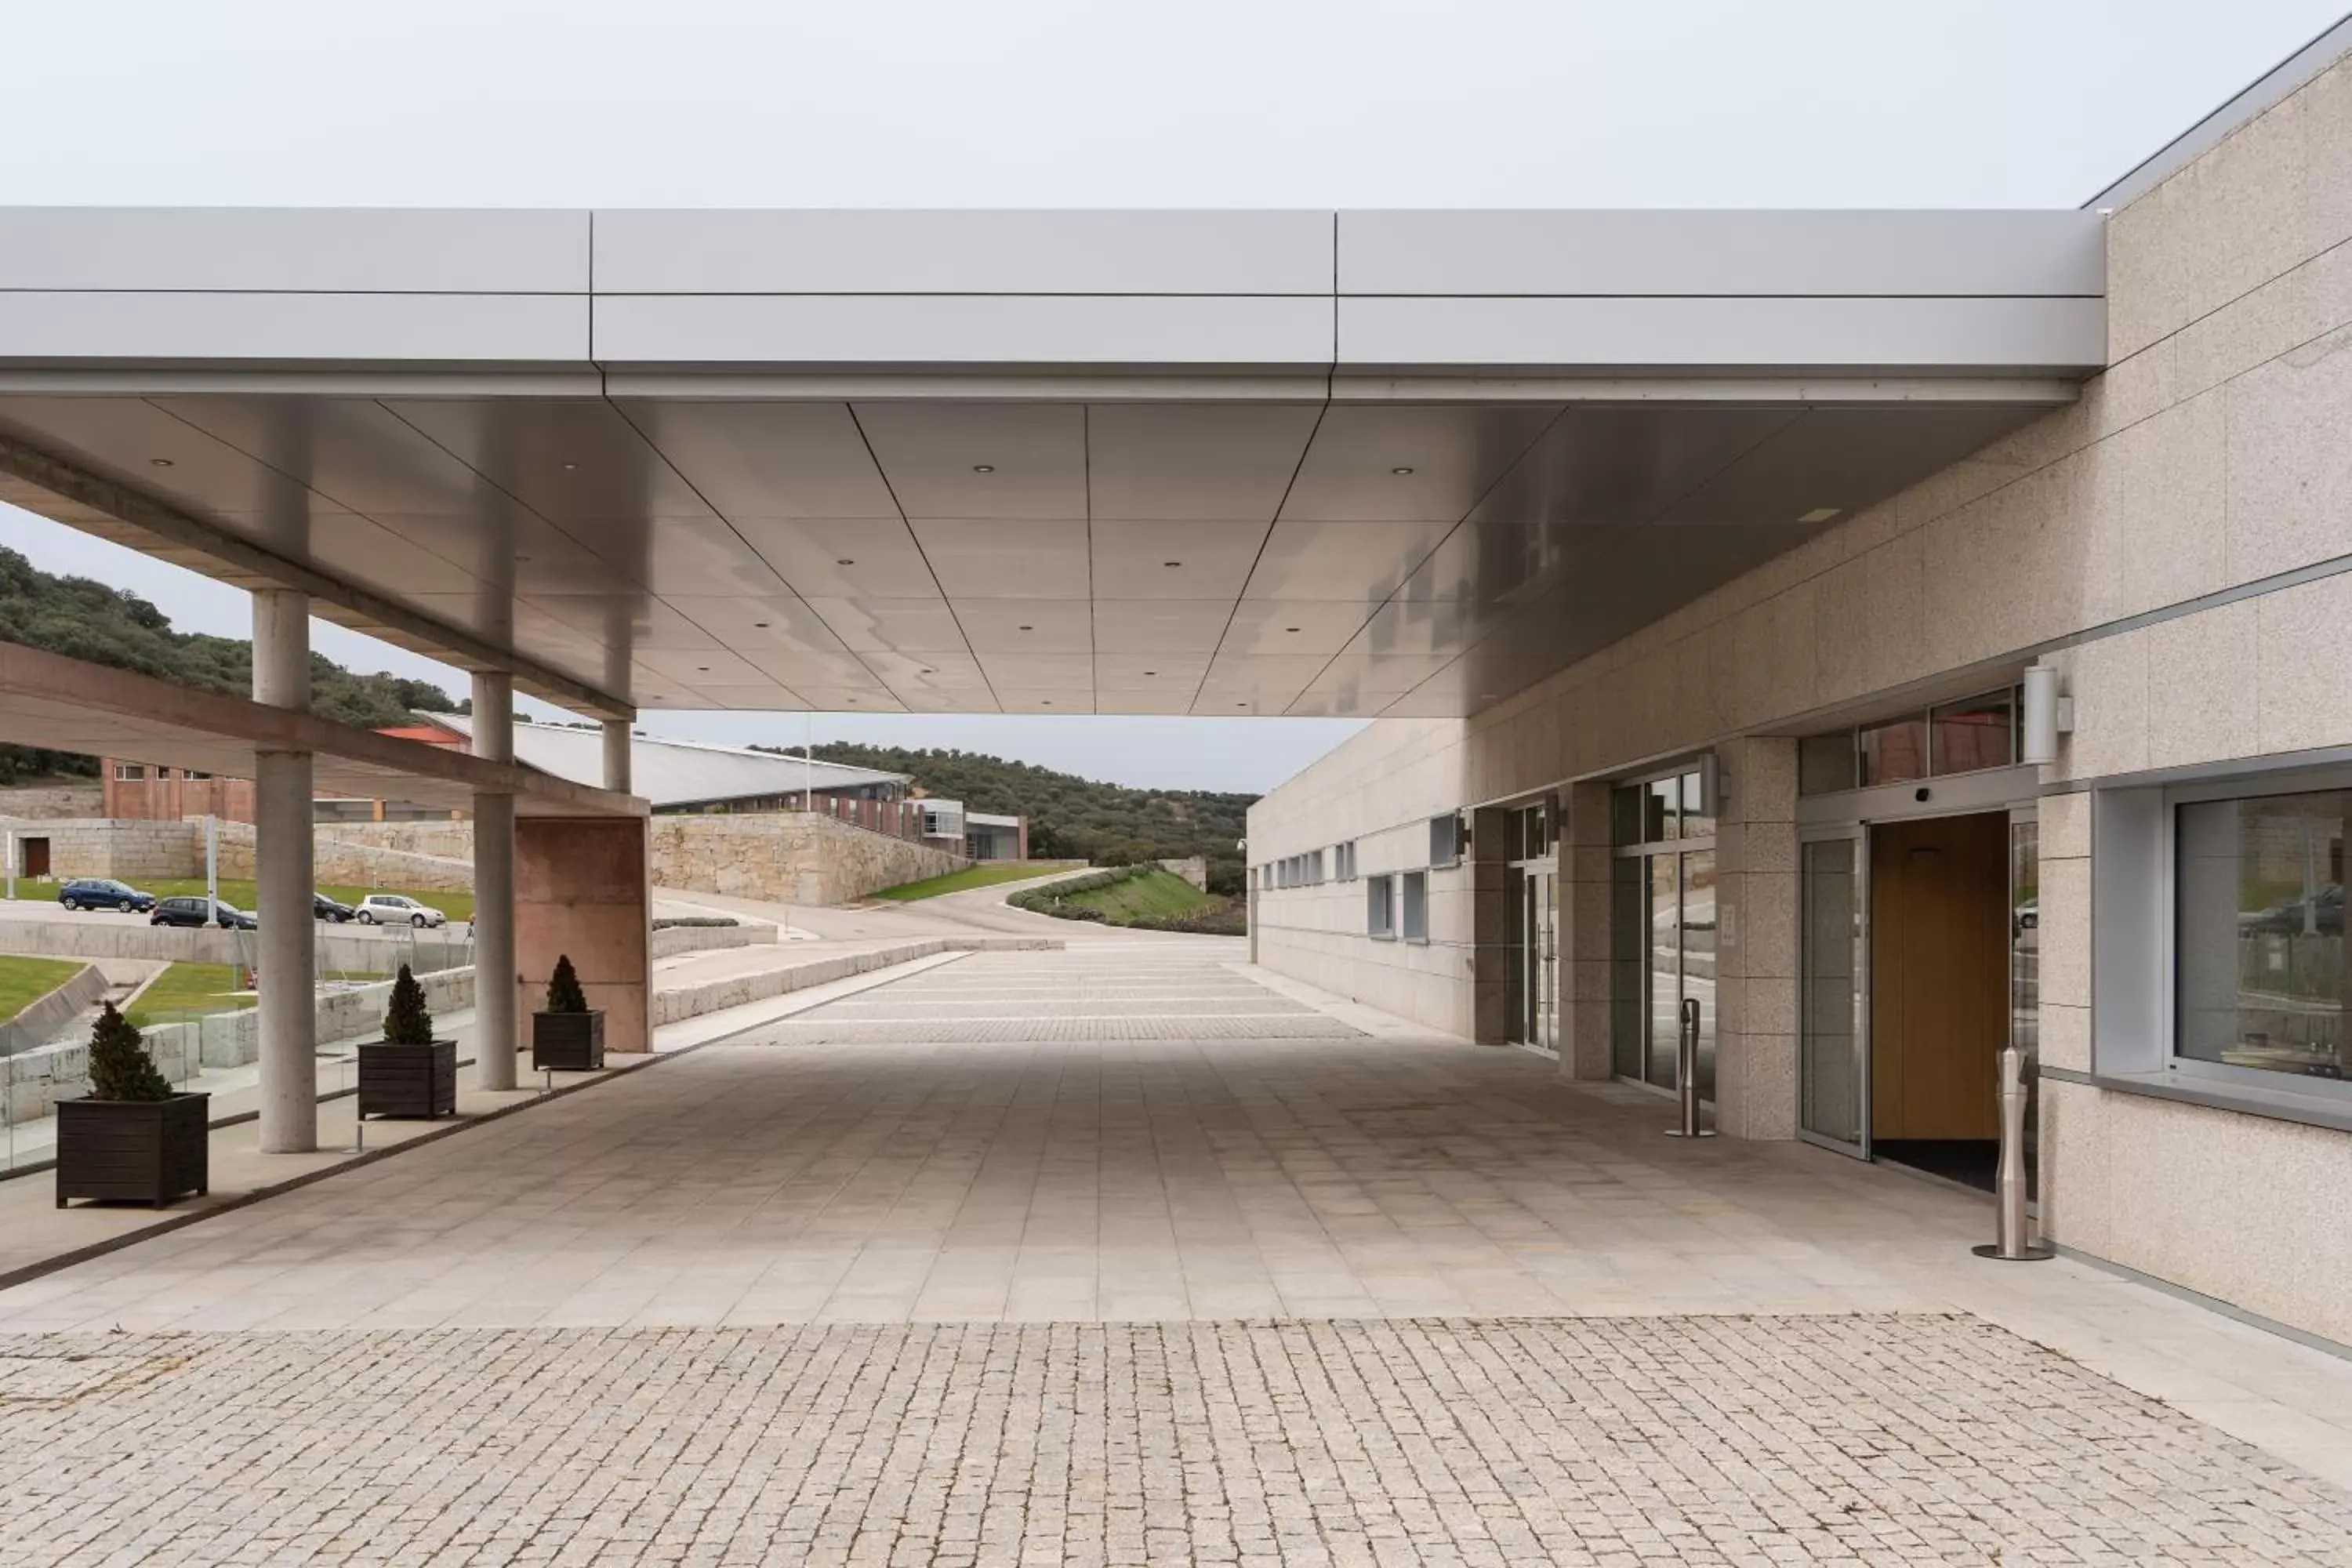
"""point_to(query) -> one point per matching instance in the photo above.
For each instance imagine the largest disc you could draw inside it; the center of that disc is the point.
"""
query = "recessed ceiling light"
(161, 462)
(1028, 629)
(1150, 672)
(1400, 472)
(1290, 628)
(702, 669)
(1172, 564)
(761, 625)
(1241, 704)
(569, 468)
(522, 560)
(843, 560)
(983, 467)
(1820, 514)
(1045, 702)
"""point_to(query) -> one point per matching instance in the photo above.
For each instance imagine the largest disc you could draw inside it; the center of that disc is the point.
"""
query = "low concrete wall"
(740, 990)
(787, 856)
(671, 941)
(132, 937)
(34, 1026)
(38, 1079)
(1194, 870)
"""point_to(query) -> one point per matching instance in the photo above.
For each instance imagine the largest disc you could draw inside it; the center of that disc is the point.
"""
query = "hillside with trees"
(87, 620)
(1069, 816)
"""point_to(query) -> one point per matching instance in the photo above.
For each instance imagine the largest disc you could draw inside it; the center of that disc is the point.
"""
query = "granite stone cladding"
(789, 857)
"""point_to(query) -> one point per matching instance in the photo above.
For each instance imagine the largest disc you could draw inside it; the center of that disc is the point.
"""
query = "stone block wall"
(100, 846)
(789, 857)
(42, 802)
(362, 855)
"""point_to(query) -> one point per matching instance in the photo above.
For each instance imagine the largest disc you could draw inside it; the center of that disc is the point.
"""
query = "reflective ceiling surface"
(937, 556)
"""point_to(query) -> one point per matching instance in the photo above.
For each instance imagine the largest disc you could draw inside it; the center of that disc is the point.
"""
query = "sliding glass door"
(1834, 1033)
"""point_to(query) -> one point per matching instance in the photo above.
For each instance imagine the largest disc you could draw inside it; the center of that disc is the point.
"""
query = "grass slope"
(185, 991)
(25, 981)
(970, 876)
(1156, 895)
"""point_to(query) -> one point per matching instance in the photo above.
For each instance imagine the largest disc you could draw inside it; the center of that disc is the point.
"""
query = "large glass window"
(1964, 737)
(1415, 920)
(1979, 733)
(2259, 887)
(1663, 927)
(1895, 751)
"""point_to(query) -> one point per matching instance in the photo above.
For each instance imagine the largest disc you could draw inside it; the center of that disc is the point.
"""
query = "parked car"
(2321, 914)
(324, 907)
(104, 893)
(391, 909)
(190, 911)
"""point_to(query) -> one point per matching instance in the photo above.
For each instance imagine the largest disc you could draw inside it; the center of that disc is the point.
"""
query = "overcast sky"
(1071, 103)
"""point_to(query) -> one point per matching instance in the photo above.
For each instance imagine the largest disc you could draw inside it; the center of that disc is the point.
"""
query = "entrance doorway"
(1940, 991)
(1531, 929)
(36, 858)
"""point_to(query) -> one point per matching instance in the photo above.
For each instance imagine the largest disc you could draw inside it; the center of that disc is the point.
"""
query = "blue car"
(104, 893)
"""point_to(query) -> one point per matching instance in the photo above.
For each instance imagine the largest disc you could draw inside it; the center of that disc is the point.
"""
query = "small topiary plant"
(408, 1022)
(563, 992)
(120, 1067)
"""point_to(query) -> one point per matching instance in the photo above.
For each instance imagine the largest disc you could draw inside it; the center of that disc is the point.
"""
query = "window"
(1445, 840)
(1380, 912)
(194, 776)
(1416, 906)
(1895, 751)
(130, 773)
(1964, 737)
(2259, 922)
(1343, 861)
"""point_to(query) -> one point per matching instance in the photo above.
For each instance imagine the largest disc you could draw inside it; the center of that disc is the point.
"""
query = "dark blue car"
(104, 893)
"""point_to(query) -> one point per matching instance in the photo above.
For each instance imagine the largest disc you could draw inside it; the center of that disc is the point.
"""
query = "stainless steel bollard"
(2011, 1243)
(1687, 1075)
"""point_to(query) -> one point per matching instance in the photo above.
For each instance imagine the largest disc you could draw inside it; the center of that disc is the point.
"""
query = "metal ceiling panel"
(1007, 558)
(332, 250)
(573, 459)
(1160, 626)
(769, 459)
(843, 558)
(1407, 462)
(1341, 562)
(1225, 461)
(1026, 626)
(981, 459)
(942, 673)
(1175, 560)
(777, 623)
(1627, 463)
(1037, 672)
(1163, 672)
(880, 625)
(1840, 459)
(1293, 627)
(1061, 702)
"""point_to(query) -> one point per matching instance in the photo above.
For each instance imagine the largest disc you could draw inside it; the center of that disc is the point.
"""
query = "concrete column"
(282, 877)
(496, 1010)
(494, 715)
(1756, 940)
(616, 755)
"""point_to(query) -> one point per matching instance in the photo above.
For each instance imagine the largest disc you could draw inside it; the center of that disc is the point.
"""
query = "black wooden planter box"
(149, 1150)
(568, 1042)
(410, 1082)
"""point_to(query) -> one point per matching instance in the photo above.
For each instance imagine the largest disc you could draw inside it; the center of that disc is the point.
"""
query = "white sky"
(1071, 103)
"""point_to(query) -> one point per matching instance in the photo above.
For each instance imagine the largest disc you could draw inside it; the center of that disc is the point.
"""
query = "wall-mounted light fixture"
(2047, 715)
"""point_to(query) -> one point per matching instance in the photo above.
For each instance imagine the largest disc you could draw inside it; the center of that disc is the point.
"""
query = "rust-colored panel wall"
(581, 888)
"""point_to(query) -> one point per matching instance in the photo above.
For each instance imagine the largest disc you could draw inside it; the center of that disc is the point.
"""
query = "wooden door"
(1939, 976)
(37, 857)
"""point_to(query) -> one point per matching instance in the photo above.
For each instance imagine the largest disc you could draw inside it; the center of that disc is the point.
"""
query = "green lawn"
(183, 991)
(982, 876)
(1157, 895)
(458, 907)
(25, 981)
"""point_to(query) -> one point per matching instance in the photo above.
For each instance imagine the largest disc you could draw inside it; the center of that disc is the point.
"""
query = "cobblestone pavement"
(1694, 1440)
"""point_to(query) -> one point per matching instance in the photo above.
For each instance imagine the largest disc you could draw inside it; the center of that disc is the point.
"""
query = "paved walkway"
(1121, 1254)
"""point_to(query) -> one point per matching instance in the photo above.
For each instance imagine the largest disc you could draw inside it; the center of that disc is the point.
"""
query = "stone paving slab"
(1867, 1440)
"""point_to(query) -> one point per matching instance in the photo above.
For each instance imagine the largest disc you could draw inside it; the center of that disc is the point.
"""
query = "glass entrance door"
(1833, 1036)
(1539, 961)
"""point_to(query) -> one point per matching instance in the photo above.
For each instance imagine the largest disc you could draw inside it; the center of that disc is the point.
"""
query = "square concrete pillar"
(583, 887)
(282, 857)
(1490, 967)
(1756, 938)
(1585, 990)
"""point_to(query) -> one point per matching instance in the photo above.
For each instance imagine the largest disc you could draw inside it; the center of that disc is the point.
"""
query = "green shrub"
(120, 1067)
(563, 992)
(408, 1021)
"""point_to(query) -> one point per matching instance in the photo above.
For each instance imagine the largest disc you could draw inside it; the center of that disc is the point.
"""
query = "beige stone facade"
(2177, 543)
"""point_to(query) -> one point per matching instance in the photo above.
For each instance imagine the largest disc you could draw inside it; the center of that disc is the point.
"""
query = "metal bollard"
(1687, 1075)
(2012, 1244)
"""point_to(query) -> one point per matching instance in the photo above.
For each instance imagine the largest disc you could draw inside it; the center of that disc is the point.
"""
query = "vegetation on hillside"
(84, 619)
(1070, 817)
(987, 875)
(1147, 897)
